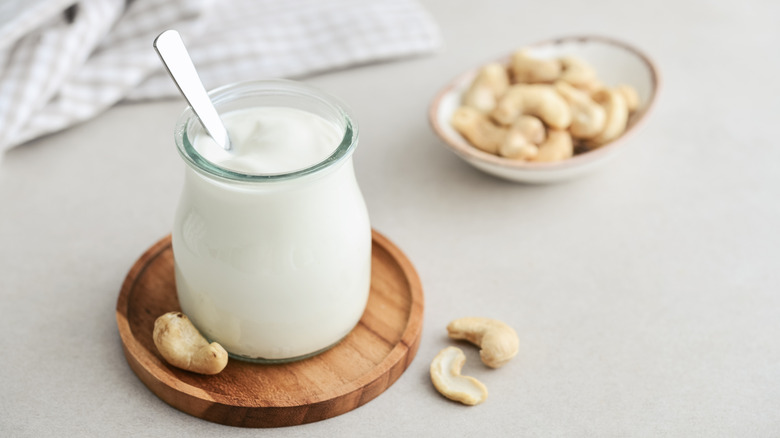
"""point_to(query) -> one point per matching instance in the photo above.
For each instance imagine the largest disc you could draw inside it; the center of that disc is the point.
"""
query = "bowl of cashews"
(549, 111)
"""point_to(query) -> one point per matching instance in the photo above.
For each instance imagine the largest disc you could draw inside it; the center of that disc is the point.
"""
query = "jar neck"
(268, 93)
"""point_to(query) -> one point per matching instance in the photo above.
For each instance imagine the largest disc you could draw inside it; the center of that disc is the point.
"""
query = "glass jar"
(274, 267)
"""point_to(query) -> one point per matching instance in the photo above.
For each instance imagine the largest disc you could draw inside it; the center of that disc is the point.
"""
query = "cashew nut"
(517, 146)
(587, 117)
(558, 146)
(577, 72)
(591, 87)
(537, 100)
(630, 95)
(490, 83)
(526, 68)
(478, 129)
(182, 346)
(497, 341)
(446, 377)
(523, 138)
(531, 127)
(617, 116)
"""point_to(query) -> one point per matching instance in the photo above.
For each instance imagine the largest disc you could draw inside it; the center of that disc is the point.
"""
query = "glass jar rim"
(276, 87)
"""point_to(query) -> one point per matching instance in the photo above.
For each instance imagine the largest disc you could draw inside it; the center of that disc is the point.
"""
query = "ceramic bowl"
(615, 62)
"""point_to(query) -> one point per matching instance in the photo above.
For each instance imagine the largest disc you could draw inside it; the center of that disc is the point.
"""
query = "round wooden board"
(370, 359)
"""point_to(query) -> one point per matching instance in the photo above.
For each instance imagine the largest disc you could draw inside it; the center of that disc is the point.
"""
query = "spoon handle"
(174, 55)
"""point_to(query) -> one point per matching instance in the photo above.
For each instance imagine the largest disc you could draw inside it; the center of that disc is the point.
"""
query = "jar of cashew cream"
(271, 240)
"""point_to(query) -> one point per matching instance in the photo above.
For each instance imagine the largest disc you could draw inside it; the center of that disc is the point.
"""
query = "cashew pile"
(542, 110)
(498, 344)
(182, 346)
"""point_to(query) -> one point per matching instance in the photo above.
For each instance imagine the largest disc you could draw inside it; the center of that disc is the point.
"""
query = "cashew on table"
(445, 375)
(498, 342)
(182, 346)
(542, 109)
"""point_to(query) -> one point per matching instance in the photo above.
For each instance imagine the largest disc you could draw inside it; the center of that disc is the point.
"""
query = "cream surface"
(270, 140)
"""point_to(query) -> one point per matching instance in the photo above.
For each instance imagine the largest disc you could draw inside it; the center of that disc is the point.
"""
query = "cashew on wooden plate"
(182, 346)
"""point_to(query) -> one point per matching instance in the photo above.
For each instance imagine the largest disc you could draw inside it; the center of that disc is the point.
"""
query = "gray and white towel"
(65, 61)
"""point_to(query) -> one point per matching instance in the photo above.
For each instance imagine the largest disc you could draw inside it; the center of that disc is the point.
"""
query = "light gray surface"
(646, 296)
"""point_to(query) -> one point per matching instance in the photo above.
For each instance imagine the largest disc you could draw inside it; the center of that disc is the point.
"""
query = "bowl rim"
(472, 153)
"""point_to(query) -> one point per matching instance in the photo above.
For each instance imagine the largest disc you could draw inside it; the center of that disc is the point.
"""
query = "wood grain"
(370, 359)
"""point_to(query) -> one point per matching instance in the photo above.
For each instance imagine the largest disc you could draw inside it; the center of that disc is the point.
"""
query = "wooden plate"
(370, 359)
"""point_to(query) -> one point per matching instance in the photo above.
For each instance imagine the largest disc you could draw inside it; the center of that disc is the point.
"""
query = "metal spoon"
(177, 60)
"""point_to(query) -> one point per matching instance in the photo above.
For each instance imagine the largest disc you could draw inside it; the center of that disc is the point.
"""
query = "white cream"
(273, 270)
(269, 140)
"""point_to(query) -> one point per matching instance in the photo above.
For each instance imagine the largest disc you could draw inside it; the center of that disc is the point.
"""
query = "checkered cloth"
(65, 61)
